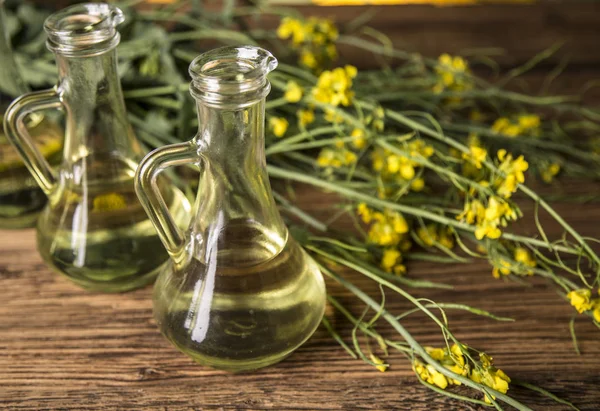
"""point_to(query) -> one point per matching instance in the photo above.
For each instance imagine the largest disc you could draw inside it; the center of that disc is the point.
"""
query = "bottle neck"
(96, 120)
(235, 185)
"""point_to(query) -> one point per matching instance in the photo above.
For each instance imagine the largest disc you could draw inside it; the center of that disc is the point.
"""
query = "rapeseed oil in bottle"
(93, 230)
(239, 293)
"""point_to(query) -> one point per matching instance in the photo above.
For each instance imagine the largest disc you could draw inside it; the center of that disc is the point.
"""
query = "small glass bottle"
(21, 199)
(239, 293)
(93, 230)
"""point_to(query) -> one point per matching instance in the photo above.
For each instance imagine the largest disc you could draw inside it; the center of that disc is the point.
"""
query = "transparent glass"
(21, 199)
(93, 230)
(239, 292)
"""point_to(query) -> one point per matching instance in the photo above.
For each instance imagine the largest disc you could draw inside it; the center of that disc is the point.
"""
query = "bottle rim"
(232, 75)
(84, 30)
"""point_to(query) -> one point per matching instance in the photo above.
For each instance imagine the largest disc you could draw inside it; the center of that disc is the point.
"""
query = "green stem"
(416, 347)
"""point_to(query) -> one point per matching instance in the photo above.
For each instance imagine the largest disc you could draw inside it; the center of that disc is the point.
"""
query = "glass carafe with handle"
(93, 230)
(239, 292)
(21, 199)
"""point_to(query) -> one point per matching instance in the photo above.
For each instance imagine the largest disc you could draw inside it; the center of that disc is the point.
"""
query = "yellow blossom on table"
(503, 268)
(334, 87)
(581, 299)
(358, 138)
(387, 228)
(493, 378)
(524, 257)
(524, 124)
(293, 92)
(596, 313)
(305, 117)
(365, 213)
(550, 172)
(514, 173)
(427, 234)
(475, 156)
(487, 229)
(381, 365)
(418, 184)
(279, 125)
(308, 59)
(336, 158)
(473, 211)
(390, 258)
(453, 74)
(430, 375)
(291, 28)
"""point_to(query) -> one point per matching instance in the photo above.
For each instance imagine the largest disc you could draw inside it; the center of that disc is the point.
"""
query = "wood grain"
(65, 348)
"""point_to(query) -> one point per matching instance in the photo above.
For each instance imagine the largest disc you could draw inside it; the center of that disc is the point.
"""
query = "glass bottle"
(21, 199)
(93, 230)
(239, 293)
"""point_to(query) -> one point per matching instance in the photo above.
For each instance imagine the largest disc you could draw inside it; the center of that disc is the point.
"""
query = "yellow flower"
(524, 124)
(580, 299)
(305, 117)
(381, 365)
(487, 229)
(550, 172)
(475, 156)
(453, 74)
(490, 376)
(333, 87)
(358, 138)
(279, 125)
(108, 202)
(387, 229)
(596, 312)
(326, 158)
(514, 173)
(523, 256)
(365, 213)
(308, 59)
(427, 234)
(293, 92)
(291, 28)
(389, 259)
(503, 268)
(418, 184)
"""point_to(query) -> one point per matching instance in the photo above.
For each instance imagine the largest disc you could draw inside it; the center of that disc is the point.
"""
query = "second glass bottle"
(93, 229)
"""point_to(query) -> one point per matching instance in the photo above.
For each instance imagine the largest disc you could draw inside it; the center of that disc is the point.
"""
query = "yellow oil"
(95, 231)
(21, 199)
(257, 299)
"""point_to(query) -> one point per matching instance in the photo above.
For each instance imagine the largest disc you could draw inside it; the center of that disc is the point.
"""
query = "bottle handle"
(146, 188)
(16, 132)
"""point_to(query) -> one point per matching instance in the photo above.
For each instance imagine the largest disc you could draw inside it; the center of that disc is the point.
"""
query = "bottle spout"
(84, 29)
(232, 75)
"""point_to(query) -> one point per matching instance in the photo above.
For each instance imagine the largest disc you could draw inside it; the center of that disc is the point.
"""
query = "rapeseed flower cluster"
(582, 301)
(521, 125)
(432, 234)
(387, 229)
(401, 169)
(453, 74)
(490, 376)
(514, 173)
(454, 360)
(524, 264)
(488, 219)
(549, 172)
(335, 86)
(314, 39)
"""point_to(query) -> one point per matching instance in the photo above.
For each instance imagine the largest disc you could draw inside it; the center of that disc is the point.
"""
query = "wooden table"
(62, 347)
